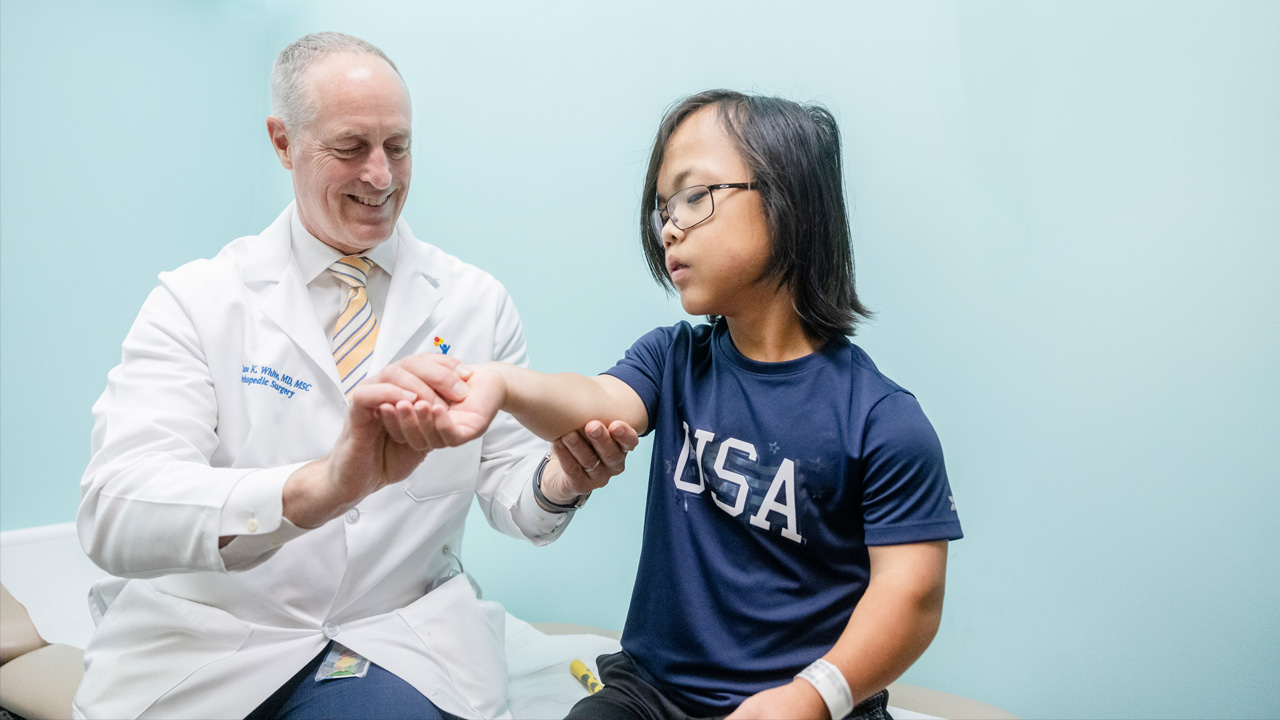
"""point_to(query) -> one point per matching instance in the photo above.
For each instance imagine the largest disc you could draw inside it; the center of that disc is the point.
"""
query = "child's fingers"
(401, 377)
(450, 431)
(443, 374)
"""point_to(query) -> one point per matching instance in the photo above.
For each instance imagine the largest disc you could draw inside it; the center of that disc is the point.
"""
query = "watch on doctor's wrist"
(544, 501)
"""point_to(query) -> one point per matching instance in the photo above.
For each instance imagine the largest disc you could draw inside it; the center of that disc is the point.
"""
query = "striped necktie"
(357, 329)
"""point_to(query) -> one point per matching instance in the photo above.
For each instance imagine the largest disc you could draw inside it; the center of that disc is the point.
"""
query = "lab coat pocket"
(445, 472)
(146, 645)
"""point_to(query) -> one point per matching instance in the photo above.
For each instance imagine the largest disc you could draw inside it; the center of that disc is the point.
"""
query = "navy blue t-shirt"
(768, 482)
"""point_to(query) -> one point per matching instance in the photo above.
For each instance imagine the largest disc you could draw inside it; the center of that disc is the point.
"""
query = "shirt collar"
(314, 257)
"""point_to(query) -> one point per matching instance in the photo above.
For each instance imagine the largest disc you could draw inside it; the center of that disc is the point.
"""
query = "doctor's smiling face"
(350, 162)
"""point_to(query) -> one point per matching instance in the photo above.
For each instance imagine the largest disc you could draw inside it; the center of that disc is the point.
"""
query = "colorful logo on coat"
(442, 346)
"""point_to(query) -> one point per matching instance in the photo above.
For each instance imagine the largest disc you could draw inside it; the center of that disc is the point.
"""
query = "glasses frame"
(659, 217)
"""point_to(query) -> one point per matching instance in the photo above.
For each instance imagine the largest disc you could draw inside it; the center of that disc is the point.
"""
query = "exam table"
(45, 623)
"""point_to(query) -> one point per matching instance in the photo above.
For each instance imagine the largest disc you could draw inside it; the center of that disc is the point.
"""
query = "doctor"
(263, 527)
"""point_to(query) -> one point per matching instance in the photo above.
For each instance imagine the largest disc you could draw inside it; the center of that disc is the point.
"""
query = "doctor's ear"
(279, 140)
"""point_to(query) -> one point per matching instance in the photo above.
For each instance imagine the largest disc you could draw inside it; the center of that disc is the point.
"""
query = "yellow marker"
(589, 681)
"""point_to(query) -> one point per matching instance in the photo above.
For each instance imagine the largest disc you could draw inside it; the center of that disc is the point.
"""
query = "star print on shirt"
(773, 448)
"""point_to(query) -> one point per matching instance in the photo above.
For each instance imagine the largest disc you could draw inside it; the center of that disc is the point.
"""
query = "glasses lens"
(690, 206)
(656, 219)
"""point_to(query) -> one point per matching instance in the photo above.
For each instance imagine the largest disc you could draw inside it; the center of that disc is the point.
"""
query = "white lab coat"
(192, 412)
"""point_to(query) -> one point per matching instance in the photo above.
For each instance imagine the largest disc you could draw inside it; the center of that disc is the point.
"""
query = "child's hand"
(467, 420)
(795, 700)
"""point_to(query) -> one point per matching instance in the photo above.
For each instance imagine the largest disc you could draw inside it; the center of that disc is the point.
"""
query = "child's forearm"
(895, 620)
(891, 626)
(553, 405)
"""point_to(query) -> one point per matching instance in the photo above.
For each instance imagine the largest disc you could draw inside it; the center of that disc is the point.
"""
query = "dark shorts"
(627, 696)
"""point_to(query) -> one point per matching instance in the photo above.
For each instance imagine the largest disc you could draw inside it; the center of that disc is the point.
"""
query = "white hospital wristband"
(831, 685)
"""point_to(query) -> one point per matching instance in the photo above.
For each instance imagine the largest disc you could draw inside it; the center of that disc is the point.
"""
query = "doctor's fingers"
(401, 377)
(369, 395)
(391, 423)
(416, 423)
(399, 432)
(624, 435)
(610, 448)
(380, 400)
(446, 376)
(580, 464)
(579, 481)
(419, 423)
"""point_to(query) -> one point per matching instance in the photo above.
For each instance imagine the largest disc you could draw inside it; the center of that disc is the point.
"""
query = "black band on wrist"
(547, 504)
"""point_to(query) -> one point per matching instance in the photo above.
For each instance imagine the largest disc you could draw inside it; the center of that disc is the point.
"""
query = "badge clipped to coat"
(342, 662)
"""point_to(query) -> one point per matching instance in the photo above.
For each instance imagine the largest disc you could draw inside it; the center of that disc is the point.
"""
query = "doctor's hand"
(587, 459)
(368, 455)
(449, 424)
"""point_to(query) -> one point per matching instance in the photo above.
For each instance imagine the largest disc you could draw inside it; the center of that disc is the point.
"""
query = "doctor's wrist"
(305, 502)
(549, 488)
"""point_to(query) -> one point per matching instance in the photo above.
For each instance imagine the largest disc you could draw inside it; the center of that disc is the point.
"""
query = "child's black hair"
(793, 150)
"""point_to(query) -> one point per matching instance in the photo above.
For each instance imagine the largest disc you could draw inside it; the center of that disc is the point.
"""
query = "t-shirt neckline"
(724, 343)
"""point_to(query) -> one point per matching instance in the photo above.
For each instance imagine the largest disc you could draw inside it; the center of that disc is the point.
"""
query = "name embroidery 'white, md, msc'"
(269, 377)
(779, 498)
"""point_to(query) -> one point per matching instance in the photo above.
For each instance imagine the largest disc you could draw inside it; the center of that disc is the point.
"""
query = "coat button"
(330, 630)
(353, 516)
(252, 525)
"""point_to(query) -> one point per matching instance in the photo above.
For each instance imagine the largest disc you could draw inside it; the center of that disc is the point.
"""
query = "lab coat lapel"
(273, 272)
(411, 298)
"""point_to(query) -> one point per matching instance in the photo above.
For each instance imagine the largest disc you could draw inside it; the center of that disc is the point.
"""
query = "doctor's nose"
(377, 169)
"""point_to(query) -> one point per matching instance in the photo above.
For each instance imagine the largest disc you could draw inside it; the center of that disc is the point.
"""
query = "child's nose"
(671, 234)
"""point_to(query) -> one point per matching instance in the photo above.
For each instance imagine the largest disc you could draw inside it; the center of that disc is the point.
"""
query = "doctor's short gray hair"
(289, 98)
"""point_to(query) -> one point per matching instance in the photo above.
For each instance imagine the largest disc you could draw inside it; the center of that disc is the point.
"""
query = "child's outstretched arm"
(553, 405)
(549, 405)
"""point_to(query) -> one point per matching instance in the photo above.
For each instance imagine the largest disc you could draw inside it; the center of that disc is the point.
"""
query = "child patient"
(798, 513)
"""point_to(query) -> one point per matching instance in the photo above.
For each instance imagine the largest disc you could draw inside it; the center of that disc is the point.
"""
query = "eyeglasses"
(691, 206)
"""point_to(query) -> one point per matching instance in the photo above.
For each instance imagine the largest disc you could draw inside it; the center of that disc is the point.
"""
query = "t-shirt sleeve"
(906, 495)
(642, 367)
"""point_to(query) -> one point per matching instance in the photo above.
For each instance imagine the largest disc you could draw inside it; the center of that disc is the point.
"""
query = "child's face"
(717, 265)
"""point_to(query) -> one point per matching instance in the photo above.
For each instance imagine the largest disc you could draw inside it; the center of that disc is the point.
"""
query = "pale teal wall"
(125, 129)
(1067, 216)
